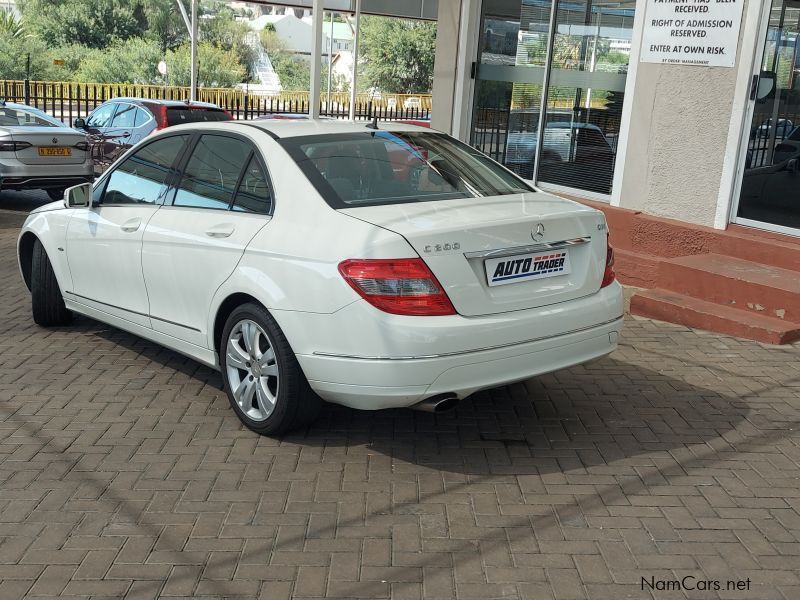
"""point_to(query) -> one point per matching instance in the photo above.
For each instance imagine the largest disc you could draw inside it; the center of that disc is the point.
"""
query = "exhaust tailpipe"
(437, 404)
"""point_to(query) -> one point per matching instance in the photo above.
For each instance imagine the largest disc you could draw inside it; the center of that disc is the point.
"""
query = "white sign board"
(692, 32)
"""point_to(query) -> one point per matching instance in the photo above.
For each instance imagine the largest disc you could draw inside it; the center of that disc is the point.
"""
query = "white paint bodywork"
(167, 280)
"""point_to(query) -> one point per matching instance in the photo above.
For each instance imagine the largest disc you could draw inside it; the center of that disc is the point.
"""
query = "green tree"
(294, 71)
(14, 52)
(126, 61)
(10, 25)
(396, 55)
(165, 24)
(217, 67)
(223, 31)
(93, 23)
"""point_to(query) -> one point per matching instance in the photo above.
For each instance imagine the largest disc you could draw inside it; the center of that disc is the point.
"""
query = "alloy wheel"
(252, 369)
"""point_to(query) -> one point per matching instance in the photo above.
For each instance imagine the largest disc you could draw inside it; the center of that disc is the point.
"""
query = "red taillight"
(403, 286)
(609, 276)
(161, 117)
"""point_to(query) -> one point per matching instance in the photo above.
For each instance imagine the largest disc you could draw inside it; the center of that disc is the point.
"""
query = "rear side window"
(142, 116)
(212, 173)
(385, 167)
(254, 194)
(179, 114)
(142, 177)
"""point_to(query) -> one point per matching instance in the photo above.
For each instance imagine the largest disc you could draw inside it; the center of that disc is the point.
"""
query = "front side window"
(142, 178)
(212, 173)
(383, 167)
(101, 117)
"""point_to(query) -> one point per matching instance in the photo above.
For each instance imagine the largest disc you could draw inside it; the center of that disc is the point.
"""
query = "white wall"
(683, 134)
(445, 65)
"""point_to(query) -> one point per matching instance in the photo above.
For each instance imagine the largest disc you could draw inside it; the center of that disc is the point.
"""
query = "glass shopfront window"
(770, 194)
(550, 87)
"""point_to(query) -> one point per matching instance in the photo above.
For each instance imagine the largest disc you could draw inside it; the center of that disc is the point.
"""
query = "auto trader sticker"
(523, 267)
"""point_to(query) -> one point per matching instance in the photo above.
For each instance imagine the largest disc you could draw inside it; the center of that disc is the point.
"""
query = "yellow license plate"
(55, 151)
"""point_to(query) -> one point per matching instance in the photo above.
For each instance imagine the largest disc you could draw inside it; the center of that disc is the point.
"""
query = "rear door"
(193, 244)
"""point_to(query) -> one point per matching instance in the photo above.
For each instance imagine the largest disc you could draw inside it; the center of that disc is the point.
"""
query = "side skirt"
(201, 355)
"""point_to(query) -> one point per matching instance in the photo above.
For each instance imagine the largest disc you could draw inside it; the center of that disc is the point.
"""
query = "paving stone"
(123, 471)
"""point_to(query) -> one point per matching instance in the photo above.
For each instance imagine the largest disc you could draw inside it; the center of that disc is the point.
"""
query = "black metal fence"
(68, 101)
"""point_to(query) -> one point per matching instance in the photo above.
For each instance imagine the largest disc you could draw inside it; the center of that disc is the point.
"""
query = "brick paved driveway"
(123, 472)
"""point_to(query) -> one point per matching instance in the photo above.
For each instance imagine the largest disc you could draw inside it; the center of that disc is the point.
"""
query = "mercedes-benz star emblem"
(538, 233)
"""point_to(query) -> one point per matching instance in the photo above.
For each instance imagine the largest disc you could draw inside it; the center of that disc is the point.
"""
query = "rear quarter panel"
(292, 263)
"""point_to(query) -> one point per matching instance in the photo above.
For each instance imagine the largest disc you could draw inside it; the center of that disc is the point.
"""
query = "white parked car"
(375, 268)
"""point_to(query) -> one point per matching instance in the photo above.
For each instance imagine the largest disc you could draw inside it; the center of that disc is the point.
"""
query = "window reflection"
(142, 178)
(583, 108)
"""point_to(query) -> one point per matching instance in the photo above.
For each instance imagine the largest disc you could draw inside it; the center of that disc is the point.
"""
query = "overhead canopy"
(412, 9)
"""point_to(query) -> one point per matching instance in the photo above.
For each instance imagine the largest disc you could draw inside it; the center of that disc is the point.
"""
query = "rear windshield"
(179, 114)
(16, 117)
(383, 167)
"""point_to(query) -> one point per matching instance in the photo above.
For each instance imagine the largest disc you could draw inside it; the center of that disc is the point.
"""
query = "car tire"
(56, 194)
(46, 299)
(269, 393)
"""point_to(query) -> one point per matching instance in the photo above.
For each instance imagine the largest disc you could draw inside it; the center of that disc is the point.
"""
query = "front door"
(770, 193)
(104, 242)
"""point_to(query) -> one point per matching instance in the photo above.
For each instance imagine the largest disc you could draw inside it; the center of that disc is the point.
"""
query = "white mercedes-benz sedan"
(371, 266)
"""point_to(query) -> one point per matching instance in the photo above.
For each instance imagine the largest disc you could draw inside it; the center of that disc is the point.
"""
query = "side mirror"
(79, 123)
(78, 196)
(766, 86)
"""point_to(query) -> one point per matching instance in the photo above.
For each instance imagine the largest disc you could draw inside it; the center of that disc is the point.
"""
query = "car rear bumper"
(366, 359)
(17, 175)
(459, 375)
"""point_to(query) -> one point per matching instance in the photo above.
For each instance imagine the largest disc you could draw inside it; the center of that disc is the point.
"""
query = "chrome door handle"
(220, 231)
(131, 225)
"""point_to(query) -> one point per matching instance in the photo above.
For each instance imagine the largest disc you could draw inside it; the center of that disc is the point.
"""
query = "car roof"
(167, 103)
(287, 128)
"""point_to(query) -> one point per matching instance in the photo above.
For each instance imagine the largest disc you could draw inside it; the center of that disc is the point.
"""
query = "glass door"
(510, 77)
(550, 86)
(770, 193)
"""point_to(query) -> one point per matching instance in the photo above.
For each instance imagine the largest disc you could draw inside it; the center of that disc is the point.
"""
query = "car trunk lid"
(478, 248)
(48, 145)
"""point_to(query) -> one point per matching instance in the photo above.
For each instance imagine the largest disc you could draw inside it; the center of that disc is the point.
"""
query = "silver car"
(40, 152)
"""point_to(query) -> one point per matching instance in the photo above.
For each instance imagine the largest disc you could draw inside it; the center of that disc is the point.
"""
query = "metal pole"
(193, 58)
(353, 86)
(330, 63)
(316, 59)
(545, 88)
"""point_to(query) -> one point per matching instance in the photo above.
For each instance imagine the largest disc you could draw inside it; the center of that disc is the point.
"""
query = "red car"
(118, 124)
